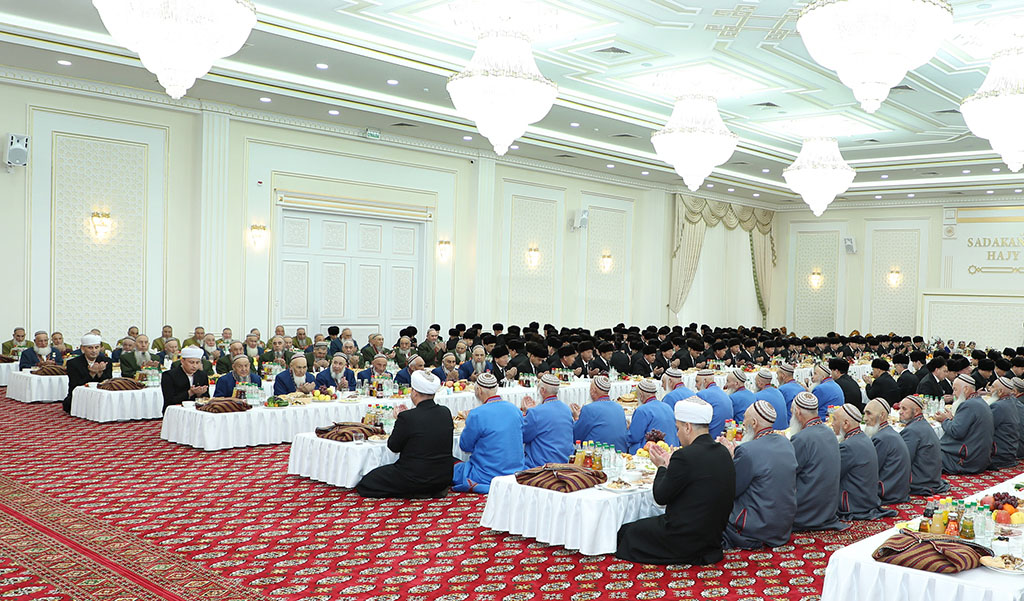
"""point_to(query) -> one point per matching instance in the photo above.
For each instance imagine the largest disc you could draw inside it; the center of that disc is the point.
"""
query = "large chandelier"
(178, 40)
(695, 140)
(501, 90)
(872, 44)
(819, 173)
(996, 111)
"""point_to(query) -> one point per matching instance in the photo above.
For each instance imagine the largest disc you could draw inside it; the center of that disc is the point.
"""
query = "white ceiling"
(604, 55)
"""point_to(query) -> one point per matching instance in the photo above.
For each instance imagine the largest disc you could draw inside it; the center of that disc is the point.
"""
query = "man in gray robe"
(923, 447)
(858, 472)
(966, 441)
(765, 504)
(1005, 423)
(1018, 384)
(817, 473)
(893, 456)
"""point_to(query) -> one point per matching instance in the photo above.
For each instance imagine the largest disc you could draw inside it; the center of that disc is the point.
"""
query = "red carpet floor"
(110, 512)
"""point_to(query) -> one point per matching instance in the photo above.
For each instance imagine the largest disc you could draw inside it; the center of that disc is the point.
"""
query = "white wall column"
(484, 308)
(214, 232)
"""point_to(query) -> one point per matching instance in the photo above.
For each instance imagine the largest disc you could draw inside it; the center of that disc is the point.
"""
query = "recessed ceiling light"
(595, 129)
(322, 66)
(610, 166)
(996, 170)
(334, 112)
(756, 195)
(426, 89)
(467, 138)
(878, 197)
(574, 124)
(910, 195)
(885, 177)
(514, 147)
(645, 173)
(732, 189)
(64, 63)
(711, 185)
(990, 191)
(264, 99)
(766, 171)
(392, 82)
(966, 171)
(1018, 191)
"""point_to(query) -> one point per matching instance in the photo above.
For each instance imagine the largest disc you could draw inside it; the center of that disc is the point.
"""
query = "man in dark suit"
(697, 485)
(185, 381)
(851, 389)
(881, 385)
(929, 384)
(91, 366)
(422, 437)
(643, 362)
(906, 381)
(600, 364)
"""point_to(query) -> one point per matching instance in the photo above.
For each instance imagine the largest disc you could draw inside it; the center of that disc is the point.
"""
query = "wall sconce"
(444, 250)
(258, 236)
(605, 262)
(895, 277)
(815, 280)
(533, 256)
(102, 224)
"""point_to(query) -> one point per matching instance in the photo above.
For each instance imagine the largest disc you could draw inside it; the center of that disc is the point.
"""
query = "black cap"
(901, 359)
(566, 351)
(986, 364)
(497, 326)
(499, 351)
(1003, 364)
(650, 349)
(605, 347)
(881, 364)
(839, 365)
(515, 344)
(918, 356)
(333, 330)
(586, 345)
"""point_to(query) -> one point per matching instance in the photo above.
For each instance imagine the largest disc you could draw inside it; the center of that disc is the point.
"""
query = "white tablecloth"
(852, 575)
(6, 369)
(587, 520)
(117, 405)
(342, 463)
(28, 388)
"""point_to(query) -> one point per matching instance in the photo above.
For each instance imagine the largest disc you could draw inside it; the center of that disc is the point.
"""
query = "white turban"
(693, 410)
(192, 352)
(425, 382)
(91, 339)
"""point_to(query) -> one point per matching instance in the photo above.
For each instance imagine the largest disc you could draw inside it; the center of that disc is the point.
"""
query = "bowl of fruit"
(1004, 508)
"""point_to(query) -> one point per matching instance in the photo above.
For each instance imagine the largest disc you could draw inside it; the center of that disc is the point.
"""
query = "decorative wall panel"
(296, 232)
(814, 311)
(332, 290)
(403, 286)
(894, 309)
(606, 292)
(369, 290)
(335, 235)
(370, 238)
(403, 239)
(91, 174)
(534, 223)
(294, 290)
(990, 321)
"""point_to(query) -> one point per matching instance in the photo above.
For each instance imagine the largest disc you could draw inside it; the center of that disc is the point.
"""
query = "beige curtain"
(693, 217)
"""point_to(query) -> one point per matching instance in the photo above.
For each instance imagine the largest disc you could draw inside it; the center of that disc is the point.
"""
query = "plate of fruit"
(1004, 508)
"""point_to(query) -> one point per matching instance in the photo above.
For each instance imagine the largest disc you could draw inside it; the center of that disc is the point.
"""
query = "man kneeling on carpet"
(422, 437)
(185, 381)
(494, 436)
(696, 484)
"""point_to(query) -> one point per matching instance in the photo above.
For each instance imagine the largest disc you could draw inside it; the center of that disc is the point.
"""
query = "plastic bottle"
(926, 519)
(967, 525)
(953, 527)
(577, 458)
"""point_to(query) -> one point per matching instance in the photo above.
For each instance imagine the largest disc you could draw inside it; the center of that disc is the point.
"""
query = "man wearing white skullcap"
(923, 447)
(40, 353)
(893, 456)
(788, 386)
(710, 393)
(185, 381)
(494, 438)
(378, 368)
(448, 371)
(676, 391)
(1005, 423)
(858, 474)
(422, 437)
(91, 366)
(241, 373)
(547, 427)
(766, 391)
(817, 472)
(829, 393)
(741, 398)
(696, 484)
(601, 420)
(650, 415)
(765, 504)
(966, 441)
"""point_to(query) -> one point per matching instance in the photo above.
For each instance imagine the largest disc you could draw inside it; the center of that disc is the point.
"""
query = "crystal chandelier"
(178, 40)
(996, 111)
(819, 173)
(695, 140)
(501, 90)
(872, 44)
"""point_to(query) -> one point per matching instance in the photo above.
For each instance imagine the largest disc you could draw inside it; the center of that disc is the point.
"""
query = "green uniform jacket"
(10, 344)
(430, 357)
(158, 344)
(310, 359)
(193, 342)
(268, 357)
(129, 366)
(224, 363)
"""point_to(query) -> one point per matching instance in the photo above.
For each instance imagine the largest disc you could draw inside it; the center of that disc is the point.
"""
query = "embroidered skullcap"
(915, 399)
(786, 367)
(764, 374)
(706, 372)
(242, 357)
(765, 411)
(966, 379)
(91, 339)
(674, 372)
(487, 380)
(192, 352)
(693, 410)
(379, 356)
(1019, 383)
(320, 344)
(425, 382)
(884, 403)
(853, 412)
(446, 355)
(550, 380)
(603, 383)
(824, 368)
(806, 400)
(648, 386)
(739, 375)
(1007, 382)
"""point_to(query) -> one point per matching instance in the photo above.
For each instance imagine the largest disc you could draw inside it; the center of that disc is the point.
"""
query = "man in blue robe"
(966, 441)
(739, 396)
(789, 387)
(828, 392)
(241, 373)
(41, 352)
(765, 504)
(1018, 384)
(767, 392)
(1005, 423)
(547, 427)
(601, 420)
(650, 415)
(494, 437)
(676, 391)
(709, 392)
(818, 464)
(337, 375)
(476, 365)
(404, 375)
(893, 455)
(378, 368)
(858, 473)
(448, 371)
(923, 447)
(295, 378)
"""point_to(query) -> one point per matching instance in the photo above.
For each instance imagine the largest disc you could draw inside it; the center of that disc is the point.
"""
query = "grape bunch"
(655, 436)
(1002, 498)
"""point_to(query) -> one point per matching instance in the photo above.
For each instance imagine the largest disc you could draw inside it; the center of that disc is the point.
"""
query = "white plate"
(604, 486)
(1005, 571)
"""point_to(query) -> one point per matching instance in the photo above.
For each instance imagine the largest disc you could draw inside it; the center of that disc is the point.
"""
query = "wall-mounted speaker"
(15, 150)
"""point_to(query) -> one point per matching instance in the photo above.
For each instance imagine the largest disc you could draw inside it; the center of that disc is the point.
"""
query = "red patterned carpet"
(110, 512)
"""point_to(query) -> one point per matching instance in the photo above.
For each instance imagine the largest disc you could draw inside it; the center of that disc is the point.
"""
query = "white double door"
(350, 271)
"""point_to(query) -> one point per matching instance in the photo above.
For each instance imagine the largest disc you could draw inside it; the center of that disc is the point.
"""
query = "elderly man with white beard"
(40, 353)
(893, 456)
(858, 471)
(765, 504)
(966, 441)
(476, 365)
(1006, 424)
(132, 362)
(923, 447)
(817, 474)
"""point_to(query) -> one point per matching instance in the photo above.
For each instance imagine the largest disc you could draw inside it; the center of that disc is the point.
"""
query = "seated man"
(241, 373)
(564, 358)
(583, 360)
(422, 437)
(767, 392)
(600, 365)
(709, 392)
(198, 334)
(404, 375)
(277, 353)
(672, 382)
(126, 344)
(318, 359)
(374, 347)
(828, 392)
(139, 358)
(893, 456)
(499, 365)
(739, 396)
(40, 353)
(494, 436)
(476, 365)
(966, 441)
(818, 464)
(851, 390)
(697, 485)
(447, 371)
(789, 387)
(252, 346)
(403, 350)
(16, 344)
(170, 355)
(432, 349)
(185, 381)
(295, 378)
(858, 472)
(337, 375)
(765, 504)
(57, 342)
(165, 335)
(225, 362)
(378, 368)
(300, 340)
(1005, 424)
(602, 420)
(91, 366)
(225, 339)
(211, 351)
(133, 333)
(650, 414)
(881, 384)
(547, 427)
(923, 448)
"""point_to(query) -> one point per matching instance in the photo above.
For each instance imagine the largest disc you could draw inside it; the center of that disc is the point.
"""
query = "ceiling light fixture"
(178, 40)
(872, 44)
(990, 191)
(64, 62)
(711, 185)
(996, 170)
(766, 171)
(756, 195)
(819, 173)
(334, 112)
(878, 197)
(392, 82)
(501, 89)
(645, 173)
(467, 138)
(322, 66)
(574, 124)
(514, 147)
(264, 99)
(966, 171)
(610, 166)
(695, 140)
(885, 177)
(911, 195)
(731, 190)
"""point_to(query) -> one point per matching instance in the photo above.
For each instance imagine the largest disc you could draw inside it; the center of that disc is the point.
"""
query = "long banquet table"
(6, 369)
(95, 404)
(28, 388)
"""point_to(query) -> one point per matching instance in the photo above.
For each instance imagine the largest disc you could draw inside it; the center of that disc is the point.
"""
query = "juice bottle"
(598, 463)
(588, 459)
(577, 457)
(953, 527)
(926, 521)
(967, 527)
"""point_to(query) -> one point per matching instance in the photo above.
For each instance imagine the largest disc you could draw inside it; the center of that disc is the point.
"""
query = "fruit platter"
(1004, 508)
(276, 401)
(325, 394)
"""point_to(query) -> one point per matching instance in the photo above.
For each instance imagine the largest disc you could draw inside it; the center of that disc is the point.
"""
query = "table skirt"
(28, 388)
(99, 405)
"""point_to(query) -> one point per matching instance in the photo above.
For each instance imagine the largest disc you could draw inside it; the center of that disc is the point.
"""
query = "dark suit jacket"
(600, 365)
(641, 367)
(78, 374)
(907, 383)
(929, 386)
(174, 384)
(851, 391)
(29, 358)
(620, 361)
(423, 440)
(885, 387)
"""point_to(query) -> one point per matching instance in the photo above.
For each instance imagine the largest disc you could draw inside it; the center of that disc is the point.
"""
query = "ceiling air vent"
(903, 88)
(403, 124)
(948, 112)
(868, 141)
(623, 136)
(956, 193)
(930, 173)
(767, 105)
(564, 156)
(611, 50)
(739, 163)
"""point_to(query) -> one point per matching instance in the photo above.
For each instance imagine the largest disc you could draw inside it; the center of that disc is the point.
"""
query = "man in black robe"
(91, 366)
(696, 484)
(851, 390)
(185, 381)
(881, 384)
(423, 438)
(906, 381)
